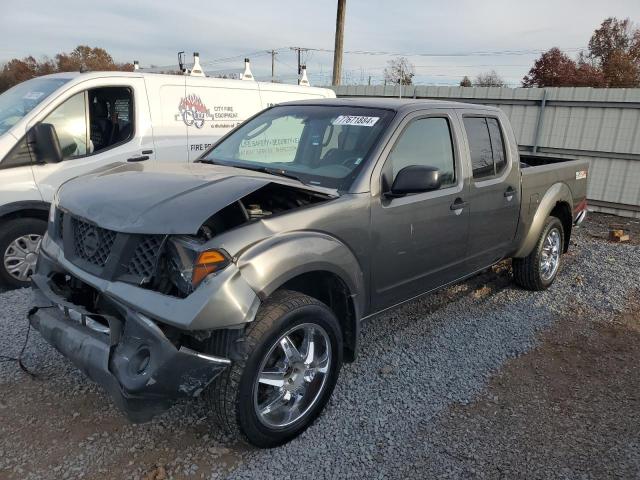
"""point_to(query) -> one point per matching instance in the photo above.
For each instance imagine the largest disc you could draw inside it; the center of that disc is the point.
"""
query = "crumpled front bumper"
(132, 359)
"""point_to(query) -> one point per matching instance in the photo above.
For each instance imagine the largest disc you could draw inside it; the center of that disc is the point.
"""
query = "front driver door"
(97, 128)
(419, 240)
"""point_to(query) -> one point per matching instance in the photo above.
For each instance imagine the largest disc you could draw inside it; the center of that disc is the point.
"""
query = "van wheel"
(539, 269)
(19, 245)
(291, 356)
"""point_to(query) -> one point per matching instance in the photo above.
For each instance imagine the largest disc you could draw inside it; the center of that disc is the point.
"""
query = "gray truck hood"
(163, 199)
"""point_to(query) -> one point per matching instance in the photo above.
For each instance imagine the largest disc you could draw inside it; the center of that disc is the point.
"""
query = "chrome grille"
(145, 257)
(92, 243)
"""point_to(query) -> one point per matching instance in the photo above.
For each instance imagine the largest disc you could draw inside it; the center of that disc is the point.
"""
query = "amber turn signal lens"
(206, 263)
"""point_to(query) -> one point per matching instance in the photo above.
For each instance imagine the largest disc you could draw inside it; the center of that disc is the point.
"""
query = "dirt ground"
(560, 404)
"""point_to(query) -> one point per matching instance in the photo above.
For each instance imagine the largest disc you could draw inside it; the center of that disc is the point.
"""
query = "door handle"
(141, 158)
(458, 204)
(509, 194)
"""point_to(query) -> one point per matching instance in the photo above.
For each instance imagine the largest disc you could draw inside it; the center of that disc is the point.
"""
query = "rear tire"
(18, 250)
(270, 396)
(538, 270)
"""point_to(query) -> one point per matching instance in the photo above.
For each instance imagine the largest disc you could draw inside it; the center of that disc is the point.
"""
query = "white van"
(100, 119)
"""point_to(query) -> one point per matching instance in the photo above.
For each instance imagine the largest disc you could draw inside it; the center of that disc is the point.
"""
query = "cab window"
(488, 157)
(426, 141)
(110, 117)
(92, 121)
(70, 122)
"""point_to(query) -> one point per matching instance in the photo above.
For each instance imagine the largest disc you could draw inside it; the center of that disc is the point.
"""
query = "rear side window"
(488, 157)
(426, 141)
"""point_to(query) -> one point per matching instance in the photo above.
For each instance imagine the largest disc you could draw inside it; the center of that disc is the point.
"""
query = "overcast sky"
(451, 33)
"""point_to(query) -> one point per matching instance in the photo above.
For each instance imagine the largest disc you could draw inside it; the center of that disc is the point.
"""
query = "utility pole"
(299, 50)
(273, 64)
(337, 51)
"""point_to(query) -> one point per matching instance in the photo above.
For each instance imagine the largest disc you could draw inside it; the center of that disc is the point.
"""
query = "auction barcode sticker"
(356, 120)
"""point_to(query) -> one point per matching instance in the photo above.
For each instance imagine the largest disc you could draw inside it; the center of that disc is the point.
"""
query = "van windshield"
(319, 145)
(19, 100)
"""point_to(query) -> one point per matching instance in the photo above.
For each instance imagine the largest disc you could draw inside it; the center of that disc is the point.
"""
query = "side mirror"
(415, 179)
(43, 140)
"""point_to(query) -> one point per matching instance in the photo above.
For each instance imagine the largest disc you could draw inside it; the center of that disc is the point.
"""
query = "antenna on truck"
(247, 75)
(304, 80)
(196, 70)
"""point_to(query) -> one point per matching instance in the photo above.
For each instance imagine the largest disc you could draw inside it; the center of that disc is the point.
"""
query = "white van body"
(157, 117)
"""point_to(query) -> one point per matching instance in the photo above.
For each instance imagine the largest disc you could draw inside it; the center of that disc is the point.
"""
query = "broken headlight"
(189, 265)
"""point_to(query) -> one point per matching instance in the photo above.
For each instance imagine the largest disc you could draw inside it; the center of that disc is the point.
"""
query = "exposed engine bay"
(174, 270)
(272, 199)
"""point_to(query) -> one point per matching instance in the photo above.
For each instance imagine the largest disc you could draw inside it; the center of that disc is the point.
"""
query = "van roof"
(222, 82)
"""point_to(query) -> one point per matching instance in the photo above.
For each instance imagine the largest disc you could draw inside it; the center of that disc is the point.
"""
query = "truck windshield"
(18, 101)
(319, 145)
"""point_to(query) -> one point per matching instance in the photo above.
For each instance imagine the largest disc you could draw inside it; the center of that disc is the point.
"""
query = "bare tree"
(489, 79)
(399, 71)
(466, 82)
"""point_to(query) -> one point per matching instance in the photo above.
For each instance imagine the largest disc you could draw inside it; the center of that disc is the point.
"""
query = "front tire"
(291, 358)
(19, 244)
(538, 270)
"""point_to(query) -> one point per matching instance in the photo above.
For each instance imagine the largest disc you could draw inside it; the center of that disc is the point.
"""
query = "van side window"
(110, 117)
(70, 122)
(426, 141)
(488, 157)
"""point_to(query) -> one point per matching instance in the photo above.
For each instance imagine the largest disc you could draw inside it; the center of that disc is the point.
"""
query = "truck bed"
(539, 174)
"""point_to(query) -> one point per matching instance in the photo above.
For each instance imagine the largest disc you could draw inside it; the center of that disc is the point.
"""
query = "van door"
(213, 107)
(100, 126)
(494, 206)
(419, 239)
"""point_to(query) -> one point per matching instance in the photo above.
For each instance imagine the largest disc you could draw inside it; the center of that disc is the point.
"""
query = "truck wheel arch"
(25, 209)
(556, 202)
(315, 264)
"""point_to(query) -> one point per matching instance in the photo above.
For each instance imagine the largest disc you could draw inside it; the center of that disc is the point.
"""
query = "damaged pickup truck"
(245, 277)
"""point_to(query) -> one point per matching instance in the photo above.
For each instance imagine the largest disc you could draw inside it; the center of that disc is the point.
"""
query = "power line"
(452, 54)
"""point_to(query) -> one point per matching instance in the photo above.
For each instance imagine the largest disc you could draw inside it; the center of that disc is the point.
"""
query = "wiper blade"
(271, 171)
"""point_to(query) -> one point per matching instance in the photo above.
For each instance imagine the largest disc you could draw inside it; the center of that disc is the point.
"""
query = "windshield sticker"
(356, 120)
(33, 95)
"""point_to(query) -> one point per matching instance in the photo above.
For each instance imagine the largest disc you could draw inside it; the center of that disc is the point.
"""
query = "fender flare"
(270, 263)
(558, 192)
(11, 208)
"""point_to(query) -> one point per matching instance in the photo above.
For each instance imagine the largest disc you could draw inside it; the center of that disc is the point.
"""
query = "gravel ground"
(413, 405)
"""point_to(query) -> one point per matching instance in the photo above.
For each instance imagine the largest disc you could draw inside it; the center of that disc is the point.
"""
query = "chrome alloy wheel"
(292, 375)
(21, 256)
(550, 255)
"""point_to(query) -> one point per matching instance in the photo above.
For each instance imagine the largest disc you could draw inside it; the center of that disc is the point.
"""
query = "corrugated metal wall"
(601, 125)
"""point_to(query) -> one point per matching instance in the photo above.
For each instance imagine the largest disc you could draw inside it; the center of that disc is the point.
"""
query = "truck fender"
(23, 206)
(557, 193)
(269, 264)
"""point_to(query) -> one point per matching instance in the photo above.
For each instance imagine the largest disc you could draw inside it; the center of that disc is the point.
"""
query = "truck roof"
(392, 103)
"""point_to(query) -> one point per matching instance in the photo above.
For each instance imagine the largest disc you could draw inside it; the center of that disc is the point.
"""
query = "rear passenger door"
(419, 240)
(494, 189)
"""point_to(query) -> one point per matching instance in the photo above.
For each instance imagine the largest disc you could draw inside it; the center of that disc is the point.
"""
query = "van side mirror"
(415, 179)
(43, 140)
